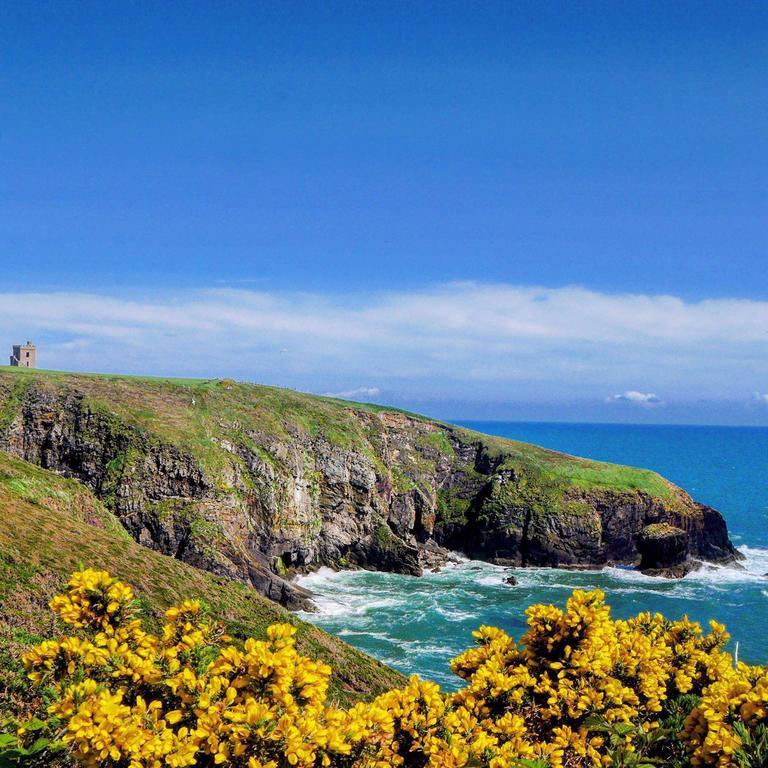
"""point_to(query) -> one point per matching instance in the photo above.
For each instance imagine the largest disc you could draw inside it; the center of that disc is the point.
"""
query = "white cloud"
(633, 396)
(761, 398)
(462, 340)
(360, 393)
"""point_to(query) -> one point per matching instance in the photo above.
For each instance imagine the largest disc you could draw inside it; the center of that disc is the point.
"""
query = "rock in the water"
(675, 571)
(663, 547)
(511, 580)
(433, 557)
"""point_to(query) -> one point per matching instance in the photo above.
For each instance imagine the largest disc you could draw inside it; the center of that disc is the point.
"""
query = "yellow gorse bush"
(188, 696)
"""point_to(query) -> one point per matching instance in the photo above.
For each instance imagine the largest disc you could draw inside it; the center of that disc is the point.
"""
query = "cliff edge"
(256, 483)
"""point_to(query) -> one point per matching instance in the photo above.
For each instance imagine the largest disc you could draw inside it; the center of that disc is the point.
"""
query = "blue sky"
(457, 185)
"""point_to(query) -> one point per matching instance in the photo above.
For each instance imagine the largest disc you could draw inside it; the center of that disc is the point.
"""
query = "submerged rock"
(675, 571)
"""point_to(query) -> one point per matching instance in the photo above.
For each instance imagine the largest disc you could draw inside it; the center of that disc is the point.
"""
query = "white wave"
(752, 568)
(637, 589)
(318, 578)
(424, 649)
(756, 559)
(452, 614)
(629, 574)
(327, 606)
(361, 633)
(544, 584)
(461, 558)
(493, 580)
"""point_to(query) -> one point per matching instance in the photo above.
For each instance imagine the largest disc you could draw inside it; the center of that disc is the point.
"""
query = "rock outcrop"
(256, 484)
(664, 551)
(661, 545)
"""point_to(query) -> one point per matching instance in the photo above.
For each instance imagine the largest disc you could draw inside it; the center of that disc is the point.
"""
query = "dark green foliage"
(451, 507)
(629, 746)
(672, 750)
(42, 751)
(753, 752)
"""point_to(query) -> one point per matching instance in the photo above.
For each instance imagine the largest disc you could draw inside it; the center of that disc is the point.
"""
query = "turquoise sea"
(418, 624)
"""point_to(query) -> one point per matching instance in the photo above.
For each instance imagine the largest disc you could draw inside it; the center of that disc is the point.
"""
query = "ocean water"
(419, 624)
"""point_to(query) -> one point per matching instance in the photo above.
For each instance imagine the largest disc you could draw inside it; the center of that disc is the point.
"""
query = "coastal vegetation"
(207, 496)
(198, 413)
(578, 690)
(51, 525)
(258, 483)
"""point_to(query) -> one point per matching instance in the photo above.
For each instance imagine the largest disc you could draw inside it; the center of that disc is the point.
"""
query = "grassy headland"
(197, 413)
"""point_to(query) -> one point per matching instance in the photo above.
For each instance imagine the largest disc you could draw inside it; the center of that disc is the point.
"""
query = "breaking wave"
(419, 624)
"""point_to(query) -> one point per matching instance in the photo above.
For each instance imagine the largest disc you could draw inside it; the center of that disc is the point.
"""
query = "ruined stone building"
(24, 355)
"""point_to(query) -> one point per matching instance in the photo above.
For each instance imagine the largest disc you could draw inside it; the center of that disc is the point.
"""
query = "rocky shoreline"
(259, 489)
(658, 562)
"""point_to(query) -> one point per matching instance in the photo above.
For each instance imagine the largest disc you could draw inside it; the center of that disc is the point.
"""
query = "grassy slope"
(51, 526)
(563, 469)
(193, 412)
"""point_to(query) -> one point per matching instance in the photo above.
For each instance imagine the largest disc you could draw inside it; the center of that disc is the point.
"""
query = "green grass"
(34, 372)
(561, 469)
(13, 397)
(52, 526)
(197, 414)
(437, 441)
(32, 485)
(194, 413)
(660, 531)
(451, 508)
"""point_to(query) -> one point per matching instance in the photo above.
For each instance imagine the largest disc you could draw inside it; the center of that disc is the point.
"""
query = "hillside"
(254, 483)
(51, 526)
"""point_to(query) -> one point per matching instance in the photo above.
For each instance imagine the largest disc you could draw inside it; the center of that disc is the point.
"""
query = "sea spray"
(417, 625)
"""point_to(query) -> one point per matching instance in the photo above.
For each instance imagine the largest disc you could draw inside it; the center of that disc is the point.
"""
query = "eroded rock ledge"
(258, 484)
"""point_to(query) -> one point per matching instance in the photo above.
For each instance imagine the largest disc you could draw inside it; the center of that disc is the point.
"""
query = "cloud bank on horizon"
(454, 343)
(633, 396)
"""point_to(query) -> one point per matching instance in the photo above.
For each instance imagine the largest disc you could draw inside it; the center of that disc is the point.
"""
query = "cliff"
(255, 483)
(51, 526)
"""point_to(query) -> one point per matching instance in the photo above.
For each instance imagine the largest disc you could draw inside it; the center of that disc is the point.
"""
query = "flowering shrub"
(731, 709)
(579, 690)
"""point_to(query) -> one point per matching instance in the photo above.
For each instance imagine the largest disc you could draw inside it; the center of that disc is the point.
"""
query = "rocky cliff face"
(256, 484)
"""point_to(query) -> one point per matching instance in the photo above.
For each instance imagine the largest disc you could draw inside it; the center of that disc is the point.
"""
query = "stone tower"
(24, 355)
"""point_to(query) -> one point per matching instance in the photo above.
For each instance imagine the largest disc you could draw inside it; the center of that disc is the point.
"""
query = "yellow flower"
(128, 697)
